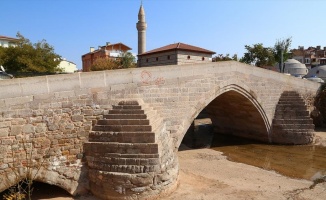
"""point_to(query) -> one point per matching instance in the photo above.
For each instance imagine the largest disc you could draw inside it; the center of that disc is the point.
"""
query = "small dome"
(295, 68)
(292, 61)
(319, 71)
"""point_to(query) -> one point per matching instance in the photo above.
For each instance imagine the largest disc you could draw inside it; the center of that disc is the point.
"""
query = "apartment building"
(311, 57)
(109, 51)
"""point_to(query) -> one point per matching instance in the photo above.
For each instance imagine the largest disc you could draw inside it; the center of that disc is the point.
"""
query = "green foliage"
(26, 57)
(127, 60)
(14, 196)
(221, 57)
(320, 101)
(104, 64)
(261, 56)
(282, 46)
(258, 55)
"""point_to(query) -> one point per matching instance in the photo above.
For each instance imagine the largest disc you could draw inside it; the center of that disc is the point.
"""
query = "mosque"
(172, 54)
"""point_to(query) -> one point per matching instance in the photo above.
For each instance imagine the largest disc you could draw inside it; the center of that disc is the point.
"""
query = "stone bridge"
(116, 133)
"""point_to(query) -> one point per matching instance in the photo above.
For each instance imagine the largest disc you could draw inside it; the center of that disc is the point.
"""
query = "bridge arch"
(227, 117)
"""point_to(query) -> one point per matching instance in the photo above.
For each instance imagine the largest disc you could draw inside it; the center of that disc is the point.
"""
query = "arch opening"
(230, 113)
(38, 190)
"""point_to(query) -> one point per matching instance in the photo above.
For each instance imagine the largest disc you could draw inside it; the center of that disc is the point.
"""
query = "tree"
(127, 60)
(281, 51)
(221, 57)
(258, 55)
(104, 64)
(31, 58)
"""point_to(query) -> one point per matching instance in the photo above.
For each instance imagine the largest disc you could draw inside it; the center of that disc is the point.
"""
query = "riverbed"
(207, 174)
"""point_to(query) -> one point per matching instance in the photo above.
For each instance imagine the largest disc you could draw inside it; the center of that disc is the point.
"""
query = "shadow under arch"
(46, 176)
(234, 110)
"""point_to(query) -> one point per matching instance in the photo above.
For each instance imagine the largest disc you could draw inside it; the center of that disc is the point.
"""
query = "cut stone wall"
(52, 116)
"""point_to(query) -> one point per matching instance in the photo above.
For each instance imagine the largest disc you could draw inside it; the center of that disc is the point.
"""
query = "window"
(146, 59)
(156, 58)
(203, 58)
(188, 57)
(168, 57)
(307, 60)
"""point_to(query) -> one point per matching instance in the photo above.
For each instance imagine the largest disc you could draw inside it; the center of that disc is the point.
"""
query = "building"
(141, 27)
(311, 57)
(172, 54)
(319, 71)
(7, 41)
(67, 66)
(295, 68)
(109, 51)
(175, 54)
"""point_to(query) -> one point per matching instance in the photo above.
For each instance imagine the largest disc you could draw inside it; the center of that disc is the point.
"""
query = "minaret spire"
(141, 27)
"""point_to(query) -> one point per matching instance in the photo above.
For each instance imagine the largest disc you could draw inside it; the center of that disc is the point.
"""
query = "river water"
(300, 161)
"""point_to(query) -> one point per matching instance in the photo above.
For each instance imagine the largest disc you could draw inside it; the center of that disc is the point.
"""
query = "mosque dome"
(295, 68)
(319, 71)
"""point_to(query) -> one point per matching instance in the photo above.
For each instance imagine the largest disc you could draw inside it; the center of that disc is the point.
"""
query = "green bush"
(320, 102)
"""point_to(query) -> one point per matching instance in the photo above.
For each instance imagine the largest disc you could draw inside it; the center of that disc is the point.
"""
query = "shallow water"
(300, 161)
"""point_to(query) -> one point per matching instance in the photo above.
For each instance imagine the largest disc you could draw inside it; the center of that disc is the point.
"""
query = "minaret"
(141, 27)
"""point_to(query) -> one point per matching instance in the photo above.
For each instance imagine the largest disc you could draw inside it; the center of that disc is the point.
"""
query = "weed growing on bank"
(25, 167)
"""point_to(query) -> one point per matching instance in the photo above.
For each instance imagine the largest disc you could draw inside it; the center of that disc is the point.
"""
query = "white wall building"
(295, 68)
(67, 66)
(7, 41)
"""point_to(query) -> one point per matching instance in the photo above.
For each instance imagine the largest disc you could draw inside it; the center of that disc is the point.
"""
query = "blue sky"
(223, 26)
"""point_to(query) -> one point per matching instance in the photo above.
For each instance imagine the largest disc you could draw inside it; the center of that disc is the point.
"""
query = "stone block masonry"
(74, 122)
(122, 146)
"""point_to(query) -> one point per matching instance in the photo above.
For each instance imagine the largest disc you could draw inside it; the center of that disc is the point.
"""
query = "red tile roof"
(178, 46)
(7, 38)
(108, 45)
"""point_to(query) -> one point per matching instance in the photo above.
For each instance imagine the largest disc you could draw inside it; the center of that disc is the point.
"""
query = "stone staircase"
(123, 151)
(292, 123)
(123, 141)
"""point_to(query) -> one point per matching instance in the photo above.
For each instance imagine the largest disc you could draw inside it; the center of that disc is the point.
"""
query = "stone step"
(290, 93)
(122, 148)
(291, 113)
(126, 111)
(128, 107)
(125, 116)
(291, 97)
(279, 116)
(95, 155)
(289, 107)
(122, 137)
(128, 103)
(122, 128)
(290, 103)
(124, 161)
(292, 121)
(130, 169)
(284, 130)
(295, 126)
(123, 122)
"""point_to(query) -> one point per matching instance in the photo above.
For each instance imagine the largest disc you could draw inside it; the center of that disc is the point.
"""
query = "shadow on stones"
(201, 134)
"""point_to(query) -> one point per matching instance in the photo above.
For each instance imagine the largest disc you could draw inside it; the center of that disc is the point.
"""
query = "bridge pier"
(125, 158)
(292, 123)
